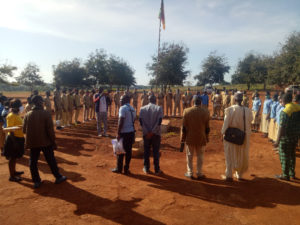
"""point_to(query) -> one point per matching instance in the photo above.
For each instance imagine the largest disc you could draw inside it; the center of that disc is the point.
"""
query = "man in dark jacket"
(40, 136)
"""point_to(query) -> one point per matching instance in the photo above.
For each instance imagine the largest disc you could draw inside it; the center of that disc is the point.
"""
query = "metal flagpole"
(158, 49)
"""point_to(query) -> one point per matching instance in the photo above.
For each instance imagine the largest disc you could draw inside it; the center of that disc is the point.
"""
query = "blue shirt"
(273, 109)
(128, 113)
(278, 111)
(204, 99)
(267, 106)
(256, 105)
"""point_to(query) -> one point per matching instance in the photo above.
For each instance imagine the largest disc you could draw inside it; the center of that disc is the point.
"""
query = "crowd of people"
(279, 121)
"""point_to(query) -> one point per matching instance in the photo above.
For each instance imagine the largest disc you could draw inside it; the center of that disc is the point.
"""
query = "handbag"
(235, 135)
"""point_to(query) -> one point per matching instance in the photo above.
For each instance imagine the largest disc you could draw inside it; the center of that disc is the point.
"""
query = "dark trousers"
(128, 139)
(49, 156)
(154, 141)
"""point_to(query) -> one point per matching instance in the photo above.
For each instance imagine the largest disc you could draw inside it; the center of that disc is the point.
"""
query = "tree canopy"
(6, 71)
(168, 68)
(214, 67)
(30, 76)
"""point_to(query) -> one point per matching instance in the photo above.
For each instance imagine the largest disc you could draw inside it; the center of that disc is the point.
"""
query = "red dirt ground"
(94, 195)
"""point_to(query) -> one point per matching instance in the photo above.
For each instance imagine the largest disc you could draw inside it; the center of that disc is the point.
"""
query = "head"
(47, 93)
(125, 99)
(238, 97)
(37, 101)
(35, 92)
(197, 100)
(3, 99)
(275, 97)
(15, 105)
(100, 90)
(64, 91)
(287, 98)
(152, 99)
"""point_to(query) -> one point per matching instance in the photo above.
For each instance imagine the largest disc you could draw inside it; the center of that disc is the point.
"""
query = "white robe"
(237, 156)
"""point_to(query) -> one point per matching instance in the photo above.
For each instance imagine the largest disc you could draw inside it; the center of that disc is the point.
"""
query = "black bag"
(235, 135)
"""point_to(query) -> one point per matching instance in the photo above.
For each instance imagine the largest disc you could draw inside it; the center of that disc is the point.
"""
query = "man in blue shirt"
(265, 119)
(204, 99)
(271, 131)
(256, 105)
(126, 131)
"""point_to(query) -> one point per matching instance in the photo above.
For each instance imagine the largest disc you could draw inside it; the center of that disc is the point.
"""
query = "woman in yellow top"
(14, 143)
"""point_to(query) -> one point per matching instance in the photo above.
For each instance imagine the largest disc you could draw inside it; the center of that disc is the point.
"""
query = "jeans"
(127, 144)
(101, 118)
(154, 141)
(49, 156)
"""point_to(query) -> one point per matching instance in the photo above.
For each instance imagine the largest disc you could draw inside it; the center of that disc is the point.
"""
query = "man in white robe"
(237, 156)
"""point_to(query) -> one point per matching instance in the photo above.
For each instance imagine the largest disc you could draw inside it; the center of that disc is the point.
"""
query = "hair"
(15, 105)
(287, 98)
(36, 100)
(197, 100)
(152, 99)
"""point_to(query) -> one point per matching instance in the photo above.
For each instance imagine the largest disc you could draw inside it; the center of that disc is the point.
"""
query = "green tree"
(168, 68)
(119, 72)
(30, 76)
(70, 74)
(5, 72)
(97, 66)
(214, 67)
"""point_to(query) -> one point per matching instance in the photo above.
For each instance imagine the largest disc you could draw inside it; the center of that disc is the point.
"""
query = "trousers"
(128, 139)
(153, 142)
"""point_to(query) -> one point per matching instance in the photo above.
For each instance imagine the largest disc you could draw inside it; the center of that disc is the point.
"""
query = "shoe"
(127, 172)
(115, 170)
(78, 122)
(146, 171)
(158, 172)
(241, 179)
(60, 180)
(104, 135)
(281, 177)
(37, 184)
(59, 128)
(18, 173)
(15, 179)
(99, 135)
(188, 175)
(201, 177)
(228, 179)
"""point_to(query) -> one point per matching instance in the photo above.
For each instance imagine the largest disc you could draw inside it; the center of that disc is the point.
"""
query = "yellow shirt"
(15, 120)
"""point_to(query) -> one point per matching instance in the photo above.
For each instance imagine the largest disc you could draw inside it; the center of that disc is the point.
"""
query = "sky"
(50, 31)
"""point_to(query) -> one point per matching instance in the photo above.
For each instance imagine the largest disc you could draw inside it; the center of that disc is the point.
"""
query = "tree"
(6, 71)
(259, 69)
(96, 66)
(70, 74)
(214, 68)
(30, 76)
(243, 73)
(168, 68)
(119, 72)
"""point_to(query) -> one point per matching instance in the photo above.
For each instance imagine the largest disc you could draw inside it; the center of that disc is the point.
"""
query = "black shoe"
(59, 128)
(227, 179)
(281, 177)
(15, 179)
(127, 172)
(115, 170)
(37, 184)
(201, 177)
(18, 173)
(158, 172)
(60, 180)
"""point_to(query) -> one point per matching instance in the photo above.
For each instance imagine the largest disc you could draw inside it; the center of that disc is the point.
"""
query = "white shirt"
(102, 105)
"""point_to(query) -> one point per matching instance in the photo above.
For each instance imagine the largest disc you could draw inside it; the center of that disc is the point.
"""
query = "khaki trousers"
(86, 111)
(177, 106)
(58, 114)
(77, 111)
(169, 109)
(192, 150)
(70, 116)
(64, 121)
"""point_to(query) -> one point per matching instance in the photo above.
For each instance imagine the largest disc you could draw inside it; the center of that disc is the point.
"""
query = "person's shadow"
(263, 192)
(119, 211)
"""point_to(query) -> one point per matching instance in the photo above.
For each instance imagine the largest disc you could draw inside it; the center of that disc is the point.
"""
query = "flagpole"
(158, 50)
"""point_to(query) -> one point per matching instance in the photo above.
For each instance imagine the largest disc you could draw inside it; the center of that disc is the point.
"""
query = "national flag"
(162, 15)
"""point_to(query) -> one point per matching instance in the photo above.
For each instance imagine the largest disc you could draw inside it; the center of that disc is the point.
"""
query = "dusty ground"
(94, 195)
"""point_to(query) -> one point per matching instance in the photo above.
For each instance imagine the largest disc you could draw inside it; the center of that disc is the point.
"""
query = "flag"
(162, 15)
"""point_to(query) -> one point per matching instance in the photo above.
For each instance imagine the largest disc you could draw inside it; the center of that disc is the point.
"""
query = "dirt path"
(94, 195)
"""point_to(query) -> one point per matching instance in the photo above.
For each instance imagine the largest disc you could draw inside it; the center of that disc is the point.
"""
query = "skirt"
(264, 124)
(13, 147)
(271, 133)
(255, 120)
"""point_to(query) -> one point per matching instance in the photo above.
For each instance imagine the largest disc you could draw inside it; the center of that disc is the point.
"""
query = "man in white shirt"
(101, 107)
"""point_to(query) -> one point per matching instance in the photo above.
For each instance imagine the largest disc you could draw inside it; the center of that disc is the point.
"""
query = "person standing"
(150, 118)
(65, 108)
(48, 102)
(271, 131)
(204, 99)
(177, 103)
(144, 98)
(77, 106)
(40, 136)
(161, 99)
(169, 104)
(256, 105)
(225, 101)
(194, 134)
(117, 101)
(265, 119)
(70, 106)
(135, 97)
(288, 135)
(101, 108)
(86, 106)
(217, 103)
(58, 108)
(14, 143)
(245, 101)
(189, 98)
(92, 115)
(126, 132)
(237, 156)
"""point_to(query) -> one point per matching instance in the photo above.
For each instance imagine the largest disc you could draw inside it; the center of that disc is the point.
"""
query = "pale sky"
(49, 31)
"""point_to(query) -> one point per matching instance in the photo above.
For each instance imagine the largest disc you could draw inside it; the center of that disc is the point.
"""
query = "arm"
(50, 130)
(120, 126)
